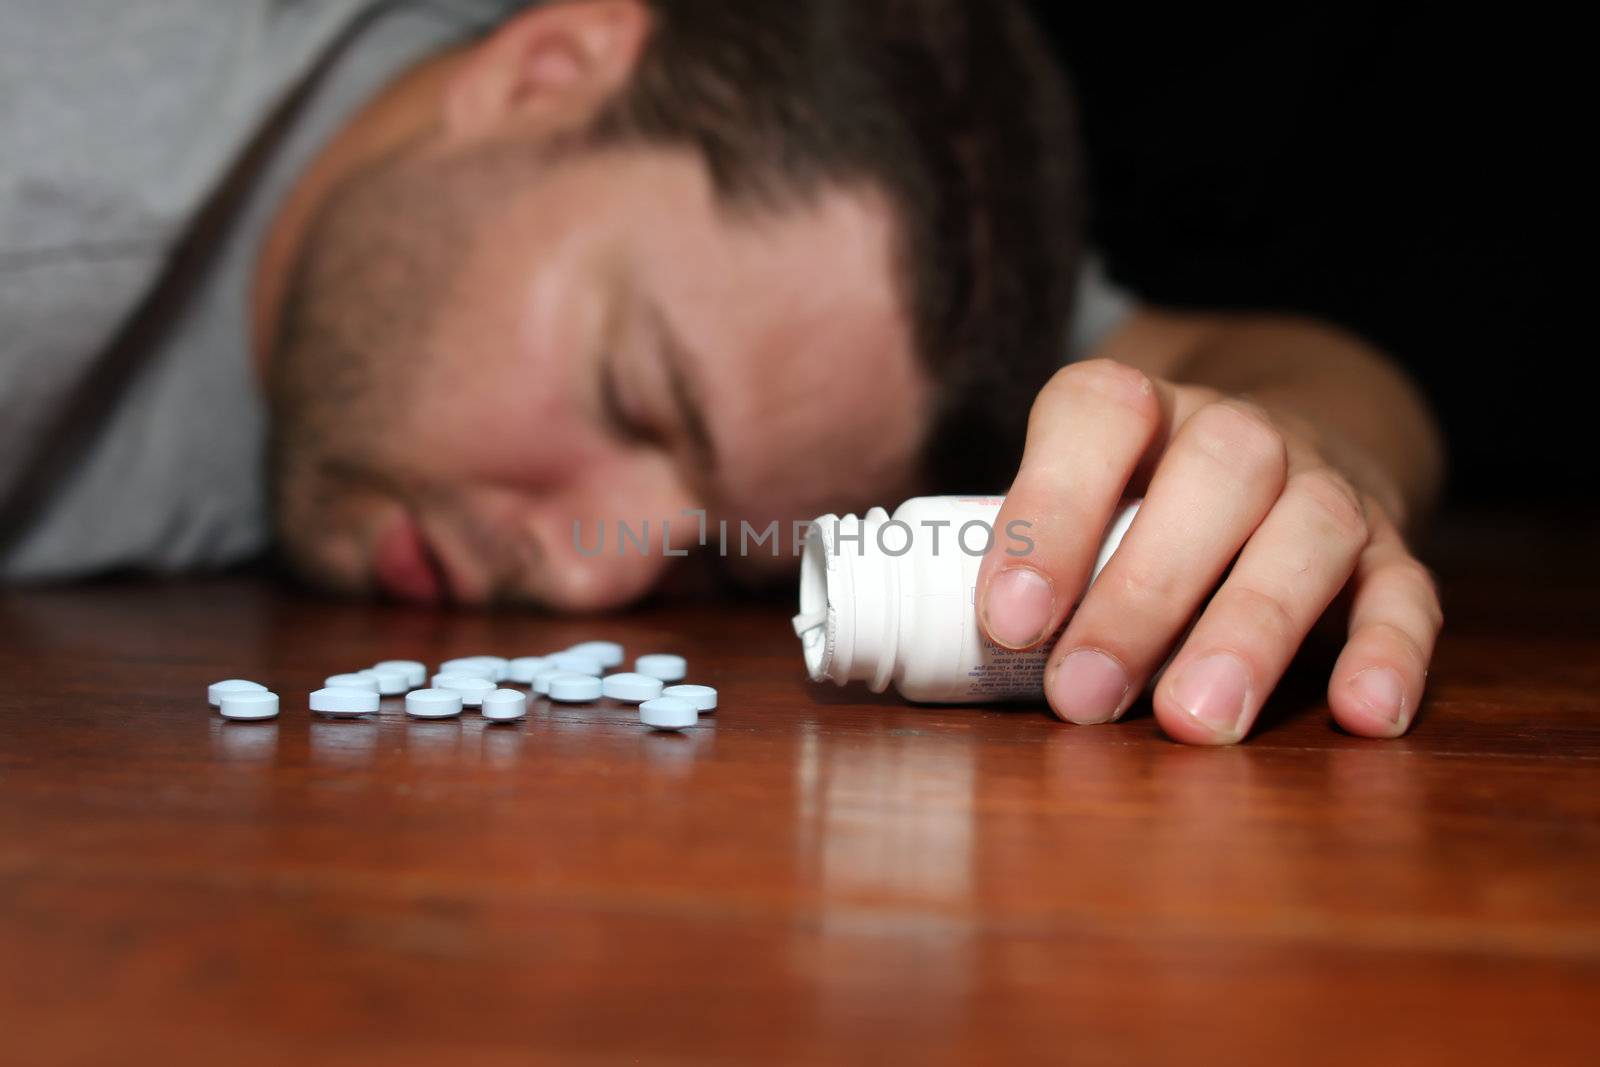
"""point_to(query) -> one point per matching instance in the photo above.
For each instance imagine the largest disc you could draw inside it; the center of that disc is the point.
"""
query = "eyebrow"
(684, 387)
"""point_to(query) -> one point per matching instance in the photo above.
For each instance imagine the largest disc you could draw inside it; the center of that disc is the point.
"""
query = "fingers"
(1219, 478)
(1288, 574)
(1089, 429)
(1395, 620)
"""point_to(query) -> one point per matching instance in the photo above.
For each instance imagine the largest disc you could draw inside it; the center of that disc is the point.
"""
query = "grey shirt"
(144, 147)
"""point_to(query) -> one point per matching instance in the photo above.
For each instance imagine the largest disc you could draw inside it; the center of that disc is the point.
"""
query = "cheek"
(505, 428)
(326, 525)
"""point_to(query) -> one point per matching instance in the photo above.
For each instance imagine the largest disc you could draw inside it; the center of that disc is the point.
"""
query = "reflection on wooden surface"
(798, 879)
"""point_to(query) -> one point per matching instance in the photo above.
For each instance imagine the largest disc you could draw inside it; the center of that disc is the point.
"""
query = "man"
(505, 267)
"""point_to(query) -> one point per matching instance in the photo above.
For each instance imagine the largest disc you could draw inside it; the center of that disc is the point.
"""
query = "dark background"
(1392, 170)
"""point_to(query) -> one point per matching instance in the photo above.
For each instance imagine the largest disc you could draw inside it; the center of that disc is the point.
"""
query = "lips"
(405, 566)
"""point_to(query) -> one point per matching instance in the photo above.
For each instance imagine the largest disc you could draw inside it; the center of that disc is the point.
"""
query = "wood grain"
(811, 876)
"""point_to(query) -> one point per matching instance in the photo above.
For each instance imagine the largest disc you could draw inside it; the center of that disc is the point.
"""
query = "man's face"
(612, 346)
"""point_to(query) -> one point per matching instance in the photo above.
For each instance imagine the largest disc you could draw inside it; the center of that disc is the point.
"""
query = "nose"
(603, 549)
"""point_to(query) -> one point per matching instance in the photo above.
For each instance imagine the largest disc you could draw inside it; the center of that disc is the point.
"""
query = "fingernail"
(1089, 687)
(1381, 690)
(1213, 691)
(1018, 607)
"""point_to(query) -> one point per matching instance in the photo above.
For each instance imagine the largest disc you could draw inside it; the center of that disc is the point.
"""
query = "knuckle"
(1395, 640)
(1258, 613)
(1113, 382)
(1145, 592)
(1239, 435)
(1411, 580)
(1334, 501)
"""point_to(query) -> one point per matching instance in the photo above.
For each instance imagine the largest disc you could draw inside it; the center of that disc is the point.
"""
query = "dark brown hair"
(954, 108)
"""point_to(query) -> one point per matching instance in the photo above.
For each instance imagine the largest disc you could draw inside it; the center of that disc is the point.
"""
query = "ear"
(554, 64)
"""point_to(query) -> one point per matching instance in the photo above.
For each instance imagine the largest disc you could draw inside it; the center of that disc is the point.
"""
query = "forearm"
(1345, 394)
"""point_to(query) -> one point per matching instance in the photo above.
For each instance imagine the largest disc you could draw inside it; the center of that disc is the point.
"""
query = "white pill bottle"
(893, 600)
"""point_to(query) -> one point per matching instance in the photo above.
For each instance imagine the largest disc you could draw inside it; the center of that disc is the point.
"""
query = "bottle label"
(1004, 674)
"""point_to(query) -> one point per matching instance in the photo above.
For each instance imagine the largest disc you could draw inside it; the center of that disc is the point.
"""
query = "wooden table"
(811, 876)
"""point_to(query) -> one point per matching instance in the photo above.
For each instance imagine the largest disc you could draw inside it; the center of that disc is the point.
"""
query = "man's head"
(769, 259)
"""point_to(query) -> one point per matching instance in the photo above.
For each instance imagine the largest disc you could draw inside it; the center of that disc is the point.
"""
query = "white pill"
(631, 687)
(703, 697)
(471, 687)
(433, 703)
(439, 679)
(505, 705)
(217, 690)
(574, 688)
(577, 663)
(668, 713)
(663, 665)
(609, 653)
(249, 704)
(351, 681)
(416, 673)
(541, 681)
(523, 669)
(391, 682)
(344, 700)
(494, 668)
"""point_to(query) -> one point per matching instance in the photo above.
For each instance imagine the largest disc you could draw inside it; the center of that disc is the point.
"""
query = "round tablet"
(391, 681)
(493, 668)
(574, 688)
(217, 690)
(438, 681)
(433, 703)
(668, 713)
(416, 673)
(471, 687)
(608, 653)
(249, 704)
(523, 669)
(703, 697)
(505, 705)
(344, 700)
(541, 681)
(351, 681)
(577, 663)
(630, 687)
(663, 665)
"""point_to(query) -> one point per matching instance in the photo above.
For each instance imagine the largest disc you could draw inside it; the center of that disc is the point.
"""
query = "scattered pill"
(663, 665)
(471, 687)
(433, 703)
(391, 681)
(523, 669)
(249, 704)
(577, 663)
(608, 653)
(631, 687)
(668, 713)
(541, 681)
(416, 673)
(217, 690)
(344, 700)
(505, 705)
(574, 688)
(703, 697)
(351, 681)
(494, 668)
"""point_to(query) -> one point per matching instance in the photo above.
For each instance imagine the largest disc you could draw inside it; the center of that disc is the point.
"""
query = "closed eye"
(615, 411)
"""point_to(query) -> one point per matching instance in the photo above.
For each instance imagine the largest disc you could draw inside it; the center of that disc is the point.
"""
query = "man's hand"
(1233, 489)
